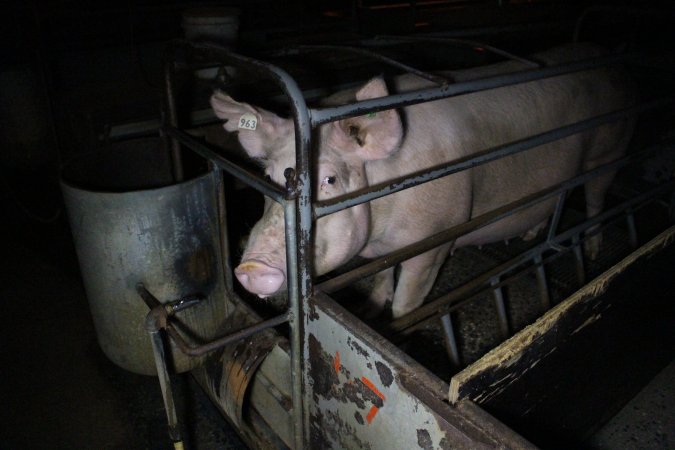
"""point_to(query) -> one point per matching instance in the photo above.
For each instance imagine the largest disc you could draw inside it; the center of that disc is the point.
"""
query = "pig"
(357, 152)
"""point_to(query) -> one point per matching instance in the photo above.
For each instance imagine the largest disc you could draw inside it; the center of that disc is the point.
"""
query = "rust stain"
(371, 414)
(372, 387)
(336, 363)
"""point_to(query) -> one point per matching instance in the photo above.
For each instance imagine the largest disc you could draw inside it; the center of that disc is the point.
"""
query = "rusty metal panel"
(364, 393)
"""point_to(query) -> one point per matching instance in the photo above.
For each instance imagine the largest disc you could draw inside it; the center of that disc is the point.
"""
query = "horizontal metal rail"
(160, 317)
(330, 114)
(441, 305)
(331, 206)
(369, 54)
(465, 43)
(343, 280)
(268, 188)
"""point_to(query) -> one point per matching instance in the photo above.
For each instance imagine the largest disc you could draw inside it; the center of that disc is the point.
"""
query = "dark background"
(72, 70)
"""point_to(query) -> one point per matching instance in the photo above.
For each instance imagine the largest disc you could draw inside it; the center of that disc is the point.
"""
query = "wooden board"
(563, 376)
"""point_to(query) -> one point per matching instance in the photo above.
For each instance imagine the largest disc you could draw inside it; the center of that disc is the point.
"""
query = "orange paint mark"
(371, 414)
(336, 363)
(372, 387)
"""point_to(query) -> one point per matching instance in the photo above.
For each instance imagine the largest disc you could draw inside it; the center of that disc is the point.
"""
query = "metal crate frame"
(301, 211)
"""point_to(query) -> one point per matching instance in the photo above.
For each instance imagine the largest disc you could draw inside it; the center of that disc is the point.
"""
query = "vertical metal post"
(542, 284)
(295, 321)
(450, 340)
(302, 253)
(579, 260)
(165, 385)
(555, 220)
(170, 117)
(219, 187)
(632, 232)
(501, 308)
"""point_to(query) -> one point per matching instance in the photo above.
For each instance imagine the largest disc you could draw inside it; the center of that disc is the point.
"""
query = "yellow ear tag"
(248, 121)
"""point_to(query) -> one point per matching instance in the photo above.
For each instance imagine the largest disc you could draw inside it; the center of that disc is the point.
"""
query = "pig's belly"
(509, 227)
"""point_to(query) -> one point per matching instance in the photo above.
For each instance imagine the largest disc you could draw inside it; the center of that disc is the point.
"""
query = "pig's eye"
(329, 180)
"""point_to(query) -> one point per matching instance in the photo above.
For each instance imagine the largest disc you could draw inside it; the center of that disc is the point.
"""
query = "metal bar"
(170, 118)
(467, 43)
(155, 321)
(405, 182)
(542, 284)
(219, 187)
(498, 296)
(330, 114)
(290, 221)
(160, 313)
(632, 232)
(450, 340)
(441, 305)
(555, 220)
(373, 55)
(225, 340)
(165, 386)
(578, 260)
(260, 184)
(409, 251)
(300, 264)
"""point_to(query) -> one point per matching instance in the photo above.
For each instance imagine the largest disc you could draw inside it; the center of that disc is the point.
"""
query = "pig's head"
(344, 149)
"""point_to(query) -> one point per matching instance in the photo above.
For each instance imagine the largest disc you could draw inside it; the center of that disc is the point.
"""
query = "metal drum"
(132, 225)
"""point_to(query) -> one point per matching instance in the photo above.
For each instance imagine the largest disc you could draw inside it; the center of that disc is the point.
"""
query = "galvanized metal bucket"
(131, 224)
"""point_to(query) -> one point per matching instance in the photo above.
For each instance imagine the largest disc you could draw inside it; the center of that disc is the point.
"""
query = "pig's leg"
(383, 292)
(609, 143)
(416, 279)
(595, 190)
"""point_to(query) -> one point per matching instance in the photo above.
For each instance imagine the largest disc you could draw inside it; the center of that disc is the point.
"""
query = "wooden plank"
(559, 378)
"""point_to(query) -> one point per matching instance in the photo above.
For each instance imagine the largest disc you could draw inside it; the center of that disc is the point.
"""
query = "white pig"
(371, 149)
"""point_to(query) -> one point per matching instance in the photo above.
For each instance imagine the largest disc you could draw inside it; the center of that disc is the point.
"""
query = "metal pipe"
(578, 259)
(409, 251)
(155, 321)
(158, 318)
(170, 118)
(300, 189)
(407, 181)
(632, 232)
(440, 305)
(544, 295)
(450, 340)
(555, 220)
(330, 114)
(257, 182)
(370, 54)
(225, 340)
(467, 43)
(290, 221)
(219, 187)
(498, 296)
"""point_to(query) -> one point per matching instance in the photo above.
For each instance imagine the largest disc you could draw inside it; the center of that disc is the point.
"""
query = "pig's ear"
(260, 131)
(373, 136)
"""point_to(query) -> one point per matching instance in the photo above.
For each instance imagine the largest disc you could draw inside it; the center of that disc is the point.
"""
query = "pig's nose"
(259, 278)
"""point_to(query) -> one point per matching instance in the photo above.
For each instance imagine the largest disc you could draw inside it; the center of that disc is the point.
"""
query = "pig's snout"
(259, 278)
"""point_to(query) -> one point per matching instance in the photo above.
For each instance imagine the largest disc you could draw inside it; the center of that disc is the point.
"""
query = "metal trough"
(131, 223)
